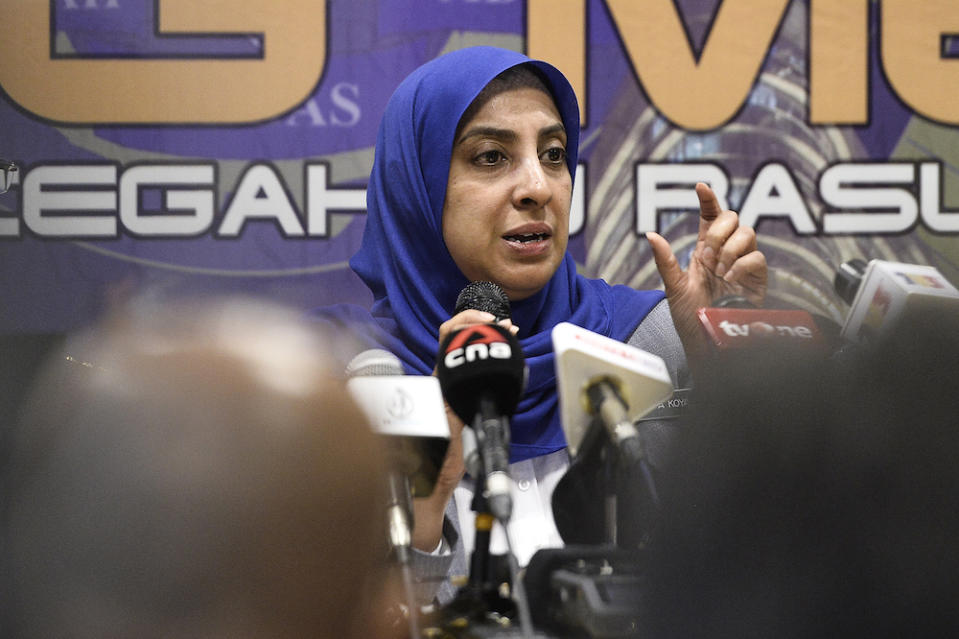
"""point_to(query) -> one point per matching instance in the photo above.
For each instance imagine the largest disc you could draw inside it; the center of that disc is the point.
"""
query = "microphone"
(483, 296)
(482, 373)
(374, 362)
(8, 175)
(409, 411)
(599, 376)
(883, 295)
(731, 329)
(490, 297)
(471, 453)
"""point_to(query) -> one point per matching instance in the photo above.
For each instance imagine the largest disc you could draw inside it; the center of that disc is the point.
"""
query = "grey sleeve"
(433, 573)
(656, 334)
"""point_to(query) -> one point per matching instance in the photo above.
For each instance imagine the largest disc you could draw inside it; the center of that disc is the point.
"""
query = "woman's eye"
(555, 155)
(489, 157)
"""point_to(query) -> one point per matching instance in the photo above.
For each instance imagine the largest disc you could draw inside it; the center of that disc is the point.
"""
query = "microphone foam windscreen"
(483, 296)
(374, 362)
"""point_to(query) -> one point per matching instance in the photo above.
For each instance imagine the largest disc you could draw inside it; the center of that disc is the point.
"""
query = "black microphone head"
(483, 296)
(374, 362)
(732, 301)
(477, 361)
(848, 278)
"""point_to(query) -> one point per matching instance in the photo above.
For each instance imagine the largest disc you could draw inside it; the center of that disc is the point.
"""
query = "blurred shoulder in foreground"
(194, 470)
(816, 496)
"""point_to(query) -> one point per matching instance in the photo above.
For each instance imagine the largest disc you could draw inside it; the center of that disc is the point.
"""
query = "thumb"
(666, 262)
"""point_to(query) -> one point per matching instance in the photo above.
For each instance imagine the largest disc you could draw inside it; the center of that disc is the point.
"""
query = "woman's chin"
(520, 288)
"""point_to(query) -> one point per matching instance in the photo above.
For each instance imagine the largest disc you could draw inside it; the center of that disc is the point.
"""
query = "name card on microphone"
(401, 405)
(730, 328)
(583, 357)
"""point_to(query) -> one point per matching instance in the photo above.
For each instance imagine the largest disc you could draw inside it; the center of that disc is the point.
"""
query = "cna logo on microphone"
(480, 342)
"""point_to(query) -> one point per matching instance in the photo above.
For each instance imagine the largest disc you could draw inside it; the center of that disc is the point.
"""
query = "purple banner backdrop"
(275, 206)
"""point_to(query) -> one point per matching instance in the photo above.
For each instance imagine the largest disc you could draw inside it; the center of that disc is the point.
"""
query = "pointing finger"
(709, 208)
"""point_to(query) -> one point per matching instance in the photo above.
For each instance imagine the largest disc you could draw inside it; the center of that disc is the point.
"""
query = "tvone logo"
(476, 343)
(764, 329)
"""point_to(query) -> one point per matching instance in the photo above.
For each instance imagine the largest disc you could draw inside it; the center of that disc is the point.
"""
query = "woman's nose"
(532, 187)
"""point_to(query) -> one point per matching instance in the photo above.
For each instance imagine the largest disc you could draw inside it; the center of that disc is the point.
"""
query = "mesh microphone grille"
(483, 296)
(374, 362)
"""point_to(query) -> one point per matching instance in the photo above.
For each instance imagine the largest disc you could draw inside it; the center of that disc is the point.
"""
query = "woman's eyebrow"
(508, 134)
(555, 129)
(488, 131)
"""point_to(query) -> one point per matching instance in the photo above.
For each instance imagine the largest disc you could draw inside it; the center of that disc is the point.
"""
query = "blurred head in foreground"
(203, 474)
(817, 497)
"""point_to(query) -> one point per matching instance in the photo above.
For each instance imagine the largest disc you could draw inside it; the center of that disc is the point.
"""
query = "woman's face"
(506, 214)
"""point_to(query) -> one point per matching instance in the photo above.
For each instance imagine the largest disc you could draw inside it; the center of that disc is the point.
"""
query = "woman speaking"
(472, 180)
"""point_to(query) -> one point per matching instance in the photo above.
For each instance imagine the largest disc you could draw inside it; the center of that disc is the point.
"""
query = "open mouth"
(526, 237)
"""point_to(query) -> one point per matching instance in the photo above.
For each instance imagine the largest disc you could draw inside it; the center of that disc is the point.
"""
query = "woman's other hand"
(726, 261)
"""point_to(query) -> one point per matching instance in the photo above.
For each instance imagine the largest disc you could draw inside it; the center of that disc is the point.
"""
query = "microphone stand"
(481, 580)
(622, 454)
(480, 601)
(400, 522)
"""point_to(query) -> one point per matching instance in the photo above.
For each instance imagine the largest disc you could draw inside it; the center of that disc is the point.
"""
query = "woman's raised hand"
(726, 261)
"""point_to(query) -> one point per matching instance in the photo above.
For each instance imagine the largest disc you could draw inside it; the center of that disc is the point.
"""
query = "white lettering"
(764, 329)
(454, 358)
(345, 104)
(76, 205)
(788, 331)
(774, 194)
(311, 111)
(733, 329)
(91, 4)
(500, 350)
(930, 200)
(261, 195)
(844, 186)
(196, 205)
(321, 200)
(669, 187)
(87, 200)
(476, 351)
(344, 112)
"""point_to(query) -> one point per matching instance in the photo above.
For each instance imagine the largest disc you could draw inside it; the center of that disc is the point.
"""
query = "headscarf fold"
(409, 270)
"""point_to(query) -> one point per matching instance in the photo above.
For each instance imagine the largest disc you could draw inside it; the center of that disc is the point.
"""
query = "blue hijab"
(412, 276)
